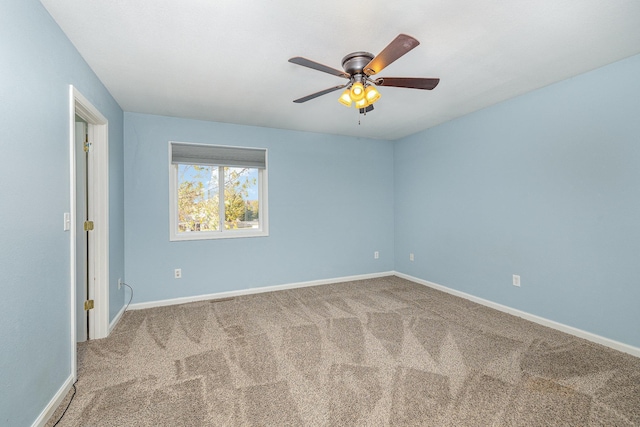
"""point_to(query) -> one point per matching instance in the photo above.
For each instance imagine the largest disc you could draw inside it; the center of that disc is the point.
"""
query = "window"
(217, 191)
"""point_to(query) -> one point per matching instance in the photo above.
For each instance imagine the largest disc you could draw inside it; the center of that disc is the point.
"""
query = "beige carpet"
(368, 353)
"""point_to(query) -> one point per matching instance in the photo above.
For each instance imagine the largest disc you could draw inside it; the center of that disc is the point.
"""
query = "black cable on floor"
(125, 309)
(68, 404)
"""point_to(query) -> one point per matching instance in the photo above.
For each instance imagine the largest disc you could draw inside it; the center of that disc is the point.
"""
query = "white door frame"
(99, 214)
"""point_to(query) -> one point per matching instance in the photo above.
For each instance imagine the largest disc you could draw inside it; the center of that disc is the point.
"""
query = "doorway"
(89, 257)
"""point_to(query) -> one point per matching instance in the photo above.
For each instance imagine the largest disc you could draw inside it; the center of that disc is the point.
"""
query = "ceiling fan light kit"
(358, 69)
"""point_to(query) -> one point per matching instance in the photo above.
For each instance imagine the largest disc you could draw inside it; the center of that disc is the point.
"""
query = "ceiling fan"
(358, 69)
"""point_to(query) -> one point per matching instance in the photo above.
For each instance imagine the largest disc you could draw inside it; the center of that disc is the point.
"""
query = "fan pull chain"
(360, 115)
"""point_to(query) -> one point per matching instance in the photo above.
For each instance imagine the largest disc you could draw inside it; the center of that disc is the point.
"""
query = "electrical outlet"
(119, 283)
(177, 273)
(376, 255)
(516, 280)
(411, 257)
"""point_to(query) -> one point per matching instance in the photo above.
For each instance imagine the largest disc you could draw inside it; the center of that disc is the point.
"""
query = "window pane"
(198, 200)
(241, 198)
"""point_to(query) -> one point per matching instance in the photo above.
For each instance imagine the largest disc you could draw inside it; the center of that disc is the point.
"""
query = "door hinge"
(88, 304)
(88, 225)
(87, 145)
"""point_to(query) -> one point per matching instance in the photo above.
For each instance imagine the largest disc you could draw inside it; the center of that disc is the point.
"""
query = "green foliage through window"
(199, 207)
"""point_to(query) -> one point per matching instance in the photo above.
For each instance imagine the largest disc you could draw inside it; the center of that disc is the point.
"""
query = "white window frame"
(262, 231)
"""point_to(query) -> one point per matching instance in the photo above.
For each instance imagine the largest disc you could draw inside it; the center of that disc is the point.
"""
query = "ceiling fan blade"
(408, 82)
(317, 66)
(317, 94)
(398, 47)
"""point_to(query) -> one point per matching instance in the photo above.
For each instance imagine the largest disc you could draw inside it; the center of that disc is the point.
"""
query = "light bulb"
(345, 98)
(357, 91)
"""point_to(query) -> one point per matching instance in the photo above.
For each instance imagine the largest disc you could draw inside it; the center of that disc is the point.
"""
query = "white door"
(82, 236)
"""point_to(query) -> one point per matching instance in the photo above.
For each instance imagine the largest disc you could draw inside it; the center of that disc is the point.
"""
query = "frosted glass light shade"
(345, 98)
(371, 94)
(357, 91)
(362, 103)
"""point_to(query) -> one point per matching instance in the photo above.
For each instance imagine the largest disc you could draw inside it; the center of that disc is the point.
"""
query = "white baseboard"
(57, 399)
(116, 319)
(616, 345)
(250, 291)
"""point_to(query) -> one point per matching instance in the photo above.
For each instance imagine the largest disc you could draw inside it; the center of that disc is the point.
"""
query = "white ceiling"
(226, 60)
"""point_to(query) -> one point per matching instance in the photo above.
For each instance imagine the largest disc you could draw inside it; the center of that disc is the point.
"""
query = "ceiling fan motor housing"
(355, 62)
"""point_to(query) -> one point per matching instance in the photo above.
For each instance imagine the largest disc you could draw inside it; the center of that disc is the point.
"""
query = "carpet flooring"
(380, 352)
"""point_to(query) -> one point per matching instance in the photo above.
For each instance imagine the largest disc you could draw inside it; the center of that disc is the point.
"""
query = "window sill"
(216, 235)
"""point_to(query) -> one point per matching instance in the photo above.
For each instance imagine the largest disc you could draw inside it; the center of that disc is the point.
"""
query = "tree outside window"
(199, 195)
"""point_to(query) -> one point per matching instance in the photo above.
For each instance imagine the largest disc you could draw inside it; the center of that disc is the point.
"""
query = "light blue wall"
(546, 185)
(330, 208)
(37, 65)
